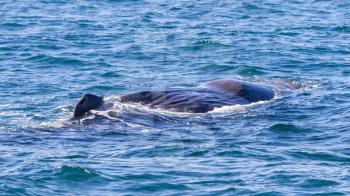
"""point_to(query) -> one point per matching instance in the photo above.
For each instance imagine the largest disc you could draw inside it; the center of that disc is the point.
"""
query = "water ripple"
(52, 52)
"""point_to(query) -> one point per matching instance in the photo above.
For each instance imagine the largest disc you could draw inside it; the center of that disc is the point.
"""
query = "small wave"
(215, 68)
(321, 156)
(56, 60)
(342, 29)
(280, 127)
(249, 71)
(317, 183)
(160, 187)
(75, 173)
(111, 74)
(203, 44)
(13, 26)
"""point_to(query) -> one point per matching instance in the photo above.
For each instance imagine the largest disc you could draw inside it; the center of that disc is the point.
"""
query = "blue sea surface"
(54, 51)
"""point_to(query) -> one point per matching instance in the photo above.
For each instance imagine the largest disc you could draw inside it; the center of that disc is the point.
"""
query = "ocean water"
(54, 51)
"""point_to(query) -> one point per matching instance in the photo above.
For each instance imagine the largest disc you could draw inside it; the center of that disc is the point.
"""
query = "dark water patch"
(249, 71)
(68, 157)
(214, 68)
(131, 2)
(101, 88)
(159, 187)
(330, 193)
(320, 156)
(13, 26)
(13, 190)
(189, 141)
(203, 44)
(342, 29)
(315, 27)
(111, 74)
(289, 33)
(217, 182)
(8, 49)
(285, 128)
(318, 183)
(169, 25)
(86, 139)
(196, 153)
(231, 153)
(269, 193)
(116, 134)
(26, 139)
(346, 72)
(228, 190)
(285, 177)
(49, 46)
(249, 6)
(51, 60)
(142, 177)
(154, 151)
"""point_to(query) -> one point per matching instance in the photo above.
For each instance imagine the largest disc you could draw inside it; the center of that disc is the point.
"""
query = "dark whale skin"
(196, 100)
(201, 100)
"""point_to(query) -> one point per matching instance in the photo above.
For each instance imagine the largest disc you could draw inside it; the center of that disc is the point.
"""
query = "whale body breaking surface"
(202, 99)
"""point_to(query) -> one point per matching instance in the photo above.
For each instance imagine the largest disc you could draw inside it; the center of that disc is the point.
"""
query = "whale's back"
(199, 100)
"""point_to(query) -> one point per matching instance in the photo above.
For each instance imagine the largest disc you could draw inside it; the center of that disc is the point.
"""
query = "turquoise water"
(52, 52)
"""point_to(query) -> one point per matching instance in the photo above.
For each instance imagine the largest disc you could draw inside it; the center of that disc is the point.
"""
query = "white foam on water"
(236, 108)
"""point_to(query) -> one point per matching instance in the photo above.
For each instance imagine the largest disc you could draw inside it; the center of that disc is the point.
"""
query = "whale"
(201, 99)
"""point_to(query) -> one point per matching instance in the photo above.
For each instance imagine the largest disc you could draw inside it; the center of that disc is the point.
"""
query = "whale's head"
(87, 103)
